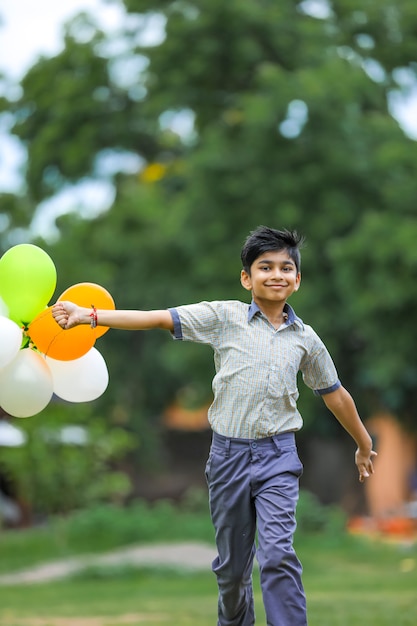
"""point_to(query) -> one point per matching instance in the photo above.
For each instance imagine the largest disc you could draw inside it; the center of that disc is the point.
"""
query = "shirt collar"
(292, 317)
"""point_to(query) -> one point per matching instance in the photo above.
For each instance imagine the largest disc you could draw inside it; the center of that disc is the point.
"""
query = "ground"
(190, 555)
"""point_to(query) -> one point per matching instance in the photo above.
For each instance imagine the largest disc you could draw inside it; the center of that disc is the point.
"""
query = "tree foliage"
(48, 473)
(289, 107)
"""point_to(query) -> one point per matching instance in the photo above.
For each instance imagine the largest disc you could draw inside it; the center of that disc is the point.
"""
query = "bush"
(313, 517)
(69, 461)
(104, 526)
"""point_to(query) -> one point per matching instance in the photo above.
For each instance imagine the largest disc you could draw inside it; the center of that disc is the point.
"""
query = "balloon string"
(51, 342)
(38, 318)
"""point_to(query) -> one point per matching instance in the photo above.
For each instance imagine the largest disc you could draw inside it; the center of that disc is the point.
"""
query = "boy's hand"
(364, 463)
(67, 314)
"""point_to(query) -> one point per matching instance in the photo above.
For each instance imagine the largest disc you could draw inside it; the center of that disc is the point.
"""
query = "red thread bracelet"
(93, 316)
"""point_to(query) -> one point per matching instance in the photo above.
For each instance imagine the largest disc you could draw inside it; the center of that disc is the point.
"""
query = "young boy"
(253, 468)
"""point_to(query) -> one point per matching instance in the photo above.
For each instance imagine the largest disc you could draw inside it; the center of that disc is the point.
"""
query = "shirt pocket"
(282, 382)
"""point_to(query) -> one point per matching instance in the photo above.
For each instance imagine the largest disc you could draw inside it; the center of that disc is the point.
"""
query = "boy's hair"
(264, 239)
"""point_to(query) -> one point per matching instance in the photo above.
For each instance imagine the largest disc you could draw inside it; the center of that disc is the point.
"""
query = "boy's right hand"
(67, 314)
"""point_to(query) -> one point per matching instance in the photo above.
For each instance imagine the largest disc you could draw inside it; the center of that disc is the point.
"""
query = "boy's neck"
(274, 312)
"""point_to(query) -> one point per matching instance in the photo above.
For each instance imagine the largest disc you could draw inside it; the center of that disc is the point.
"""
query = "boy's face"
(273, 277)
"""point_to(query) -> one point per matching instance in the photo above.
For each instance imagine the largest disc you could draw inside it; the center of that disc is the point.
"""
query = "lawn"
(349, 581)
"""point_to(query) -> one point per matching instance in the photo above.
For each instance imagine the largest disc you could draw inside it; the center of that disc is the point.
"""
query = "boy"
(253, 468)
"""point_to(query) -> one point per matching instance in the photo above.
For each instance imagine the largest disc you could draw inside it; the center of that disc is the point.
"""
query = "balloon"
(80, 380)
(10, 340)
(25, 384)
(89, 294)
(27, 281)
(4, 310)
(54, 341)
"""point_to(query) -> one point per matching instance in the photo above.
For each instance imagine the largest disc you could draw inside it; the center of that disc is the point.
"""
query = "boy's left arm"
(341, 404)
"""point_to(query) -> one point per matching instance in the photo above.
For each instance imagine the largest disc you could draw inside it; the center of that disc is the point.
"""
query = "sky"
(31, 28)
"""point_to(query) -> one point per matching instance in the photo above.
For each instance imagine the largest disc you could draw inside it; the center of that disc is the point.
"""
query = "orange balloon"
(57, 343)
(88, 295)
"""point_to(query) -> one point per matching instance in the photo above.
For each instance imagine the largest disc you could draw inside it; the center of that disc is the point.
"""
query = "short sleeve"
(318, 370)
(199, 323)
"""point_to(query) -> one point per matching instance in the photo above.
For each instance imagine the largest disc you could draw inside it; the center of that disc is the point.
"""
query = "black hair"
(264, 239)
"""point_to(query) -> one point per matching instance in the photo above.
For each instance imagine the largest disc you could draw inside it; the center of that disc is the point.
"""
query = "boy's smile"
(273, 278)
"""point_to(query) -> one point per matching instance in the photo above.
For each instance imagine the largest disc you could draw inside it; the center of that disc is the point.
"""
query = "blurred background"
(139, 152)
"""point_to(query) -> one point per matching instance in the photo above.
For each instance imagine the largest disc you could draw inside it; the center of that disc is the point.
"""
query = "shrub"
(313, 517)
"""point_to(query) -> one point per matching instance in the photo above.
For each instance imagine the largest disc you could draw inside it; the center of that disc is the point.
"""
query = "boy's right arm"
(68, 315)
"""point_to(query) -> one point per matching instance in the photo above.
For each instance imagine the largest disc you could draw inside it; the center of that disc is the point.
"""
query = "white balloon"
(25, 384)
(10, 340)
(79, 380)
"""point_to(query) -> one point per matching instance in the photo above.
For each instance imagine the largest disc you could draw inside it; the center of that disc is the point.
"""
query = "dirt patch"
(119, 620)
(191, 556)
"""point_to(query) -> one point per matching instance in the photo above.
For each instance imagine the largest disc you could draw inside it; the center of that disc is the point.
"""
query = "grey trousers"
(253, 486)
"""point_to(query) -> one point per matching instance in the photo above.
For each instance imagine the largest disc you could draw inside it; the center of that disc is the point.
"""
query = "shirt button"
(273, 368)
(254, 444)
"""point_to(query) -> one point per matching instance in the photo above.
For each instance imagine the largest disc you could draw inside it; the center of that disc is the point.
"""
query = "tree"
(66, 127)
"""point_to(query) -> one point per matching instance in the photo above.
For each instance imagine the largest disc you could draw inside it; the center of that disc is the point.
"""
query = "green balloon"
(27, 281)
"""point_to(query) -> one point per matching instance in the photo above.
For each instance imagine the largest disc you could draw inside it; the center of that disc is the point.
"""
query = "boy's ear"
(298, 281)
(245, 280)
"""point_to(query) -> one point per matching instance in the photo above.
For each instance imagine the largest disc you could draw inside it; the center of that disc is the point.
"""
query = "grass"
(155, 597)
(355, 581)
(348, 580)
(100, 529)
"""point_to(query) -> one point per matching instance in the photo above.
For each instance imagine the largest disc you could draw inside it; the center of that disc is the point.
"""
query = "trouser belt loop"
(227, 448)
(276, 444)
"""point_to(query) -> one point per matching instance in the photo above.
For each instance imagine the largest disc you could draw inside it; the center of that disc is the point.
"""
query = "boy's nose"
(276, 273)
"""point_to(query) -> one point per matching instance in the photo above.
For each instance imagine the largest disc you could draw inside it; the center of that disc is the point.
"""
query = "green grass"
(101, 529)
(353, 581)
(155, 597)
(348, 581)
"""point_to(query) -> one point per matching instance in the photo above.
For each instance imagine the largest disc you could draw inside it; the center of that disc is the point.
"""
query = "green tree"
(70, 459)
(65, 128)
